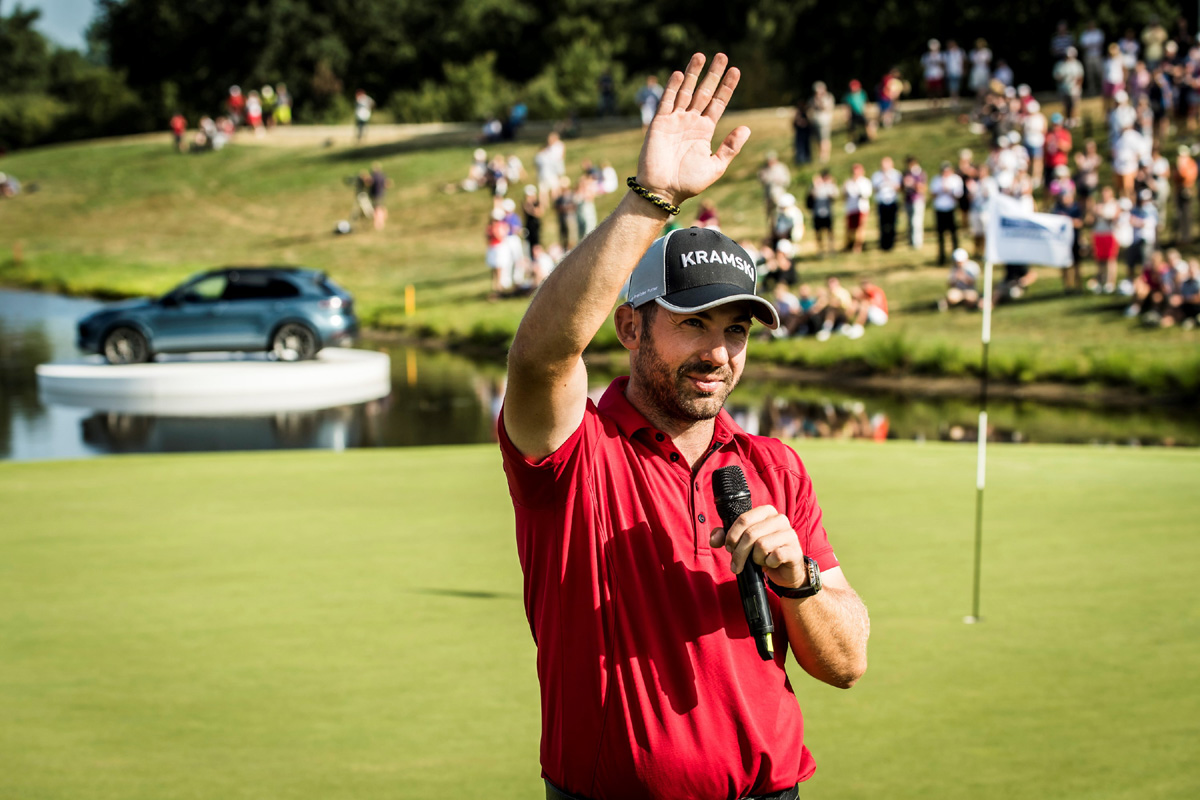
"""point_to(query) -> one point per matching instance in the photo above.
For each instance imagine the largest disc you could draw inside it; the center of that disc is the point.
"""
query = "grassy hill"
(343, 625)
(121, 218)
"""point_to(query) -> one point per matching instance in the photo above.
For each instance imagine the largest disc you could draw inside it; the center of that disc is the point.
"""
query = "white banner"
(1017, 236)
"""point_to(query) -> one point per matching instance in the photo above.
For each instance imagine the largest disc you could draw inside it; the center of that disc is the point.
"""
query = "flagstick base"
(971, 619)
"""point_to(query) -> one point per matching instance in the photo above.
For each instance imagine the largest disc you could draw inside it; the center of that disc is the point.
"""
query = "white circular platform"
(216, 385)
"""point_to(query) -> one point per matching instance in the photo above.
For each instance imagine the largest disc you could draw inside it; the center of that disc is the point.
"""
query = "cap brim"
(702, 298)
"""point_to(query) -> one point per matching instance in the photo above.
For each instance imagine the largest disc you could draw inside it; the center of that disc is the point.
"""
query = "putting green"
(329, 625)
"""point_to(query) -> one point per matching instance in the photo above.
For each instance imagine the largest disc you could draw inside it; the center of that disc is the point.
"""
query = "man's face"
(685, 365)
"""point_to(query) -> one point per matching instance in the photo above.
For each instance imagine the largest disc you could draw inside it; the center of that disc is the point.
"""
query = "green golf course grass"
(350, 625)
(128, 218)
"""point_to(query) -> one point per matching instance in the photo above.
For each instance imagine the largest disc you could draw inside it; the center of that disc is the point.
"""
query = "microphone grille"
(729, 481)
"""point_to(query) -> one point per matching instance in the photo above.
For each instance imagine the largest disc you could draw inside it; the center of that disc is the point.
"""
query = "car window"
(257, 287)
(207, 290)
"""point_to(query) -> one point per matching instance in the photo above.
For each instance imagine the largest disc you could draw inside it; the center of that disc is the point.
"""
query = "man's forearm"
(828, 633)
(579, 294)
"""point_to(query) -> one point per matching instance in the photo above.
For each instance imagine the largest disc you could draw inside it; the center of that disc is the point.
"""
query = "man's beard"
(671, 393)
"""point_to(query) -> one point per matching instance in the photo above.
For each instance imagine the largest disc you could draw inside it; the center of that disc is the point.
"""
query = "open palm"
(677, 161)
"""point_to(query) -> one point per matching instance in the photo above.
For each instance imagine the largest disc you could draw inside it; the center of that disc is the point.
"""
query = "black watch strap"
(807, 590)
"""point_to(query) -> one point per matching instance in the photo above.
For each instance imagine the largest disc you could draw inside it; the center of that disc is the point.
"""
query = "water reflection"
(439, 398)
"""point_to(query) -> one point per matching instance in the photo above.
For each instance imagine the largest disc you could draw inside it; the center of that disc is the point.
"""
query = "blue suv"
(287, 311)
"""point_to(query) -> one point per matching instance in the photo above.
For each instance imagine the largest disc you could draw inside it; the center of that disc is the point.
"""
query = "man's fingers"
(720, 98)
(705, 91)
(732, 145)
(667, 103)
(690, 75)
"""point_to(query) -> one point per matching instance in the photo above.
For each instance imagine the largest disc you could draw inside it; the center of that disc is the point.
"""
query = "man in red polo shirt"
(652, 685)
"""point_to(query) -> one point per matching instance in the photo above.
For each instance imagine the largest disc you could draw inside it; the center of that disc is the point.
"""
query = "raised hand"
(677, 161)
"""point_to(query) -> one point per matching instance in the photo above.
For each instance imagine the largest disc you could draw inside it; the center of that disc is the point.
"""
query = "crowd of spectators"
(257, 111)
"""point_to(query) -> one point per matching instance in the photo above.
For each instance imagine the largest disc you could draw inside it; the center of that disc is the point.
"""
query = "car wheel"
(294, 342)
(126, 346)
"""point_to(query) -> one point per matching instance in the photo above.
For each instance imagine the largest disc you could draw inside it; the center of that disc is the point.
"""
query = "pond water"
(442, 398)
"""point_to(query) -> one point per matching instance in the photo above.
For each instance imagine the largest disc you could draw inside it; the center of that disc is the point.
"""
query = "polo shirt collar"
(616, 406)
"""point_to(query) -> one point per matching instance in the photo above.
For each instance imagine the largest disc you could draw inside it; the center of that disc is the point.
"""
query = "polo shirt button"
(674, 456)
(658, 437)
(700, 517)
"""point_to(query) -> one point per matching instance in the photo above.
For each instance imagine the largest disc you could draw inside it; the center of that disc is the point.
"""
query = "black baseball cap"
(695, 269)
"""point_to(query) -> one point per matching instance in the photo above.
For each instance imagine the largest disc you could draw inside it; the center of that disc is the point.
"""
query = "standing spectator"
(254, 113)
(1034, 137)
(707, 217)
(283, 105)
(981, 68)
(378, 192)
(178, 129)
(820, 110)
(956, 65)
(607, 90)
(1184, 177)
(915, 185)
(1087, 174)
(270, 102)
(550, 164)
(647, 100)
(1092, 42)
(609, 182)
(1003, 73)
(1190, 84)
(856, 103)
(966, 171)
(1130, 149)
(857, 191)
(1104, 241)
(534, 211)
(775, 178)
(363, 106)
(1130, 49)
(802, 133)
(789, 225)
(1162, 102)
(235, 104)
(1143, 218)
(947, 189)
(1114, 76)
(821, 198)
(890, 89)
(1057, 150)
(521, 274)
(564, 209)
(1066, 205)
(1068, 75)
(886, 183)
(1061, 40)
(933, 64)
(499, 255)
(585, 203)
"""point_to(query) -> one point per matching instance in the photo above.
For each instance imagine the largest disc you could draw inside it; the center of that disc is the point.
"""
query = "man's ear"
(629, 326)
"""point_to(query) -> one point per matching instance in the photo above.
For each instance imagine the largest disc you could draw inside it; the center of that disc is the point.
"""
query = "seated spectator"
(838, 309)
(787, 305)
(1183, 304)
(1156, 283)
(871, 306)
(962, 287)
(9, 185)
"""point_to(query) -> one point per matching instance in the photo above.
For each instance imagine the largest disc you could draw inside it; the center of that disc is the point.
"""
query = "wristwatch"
(808, 590)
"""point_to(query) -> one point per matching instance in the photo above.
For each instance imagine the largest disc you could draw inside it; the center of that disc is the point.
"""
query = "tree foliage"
(468, 59)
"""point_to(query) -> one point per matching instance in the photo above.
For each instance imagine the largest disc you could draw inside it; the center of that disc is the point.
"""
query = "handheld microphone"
(732, 497)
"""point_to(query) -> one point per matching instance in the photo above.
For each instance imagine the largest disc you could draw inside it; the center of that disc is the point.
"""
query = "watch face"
(814, 574)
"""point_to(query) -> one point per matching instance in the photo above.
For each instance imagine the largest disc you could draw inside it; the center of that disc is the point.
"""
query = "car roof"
(273, 270)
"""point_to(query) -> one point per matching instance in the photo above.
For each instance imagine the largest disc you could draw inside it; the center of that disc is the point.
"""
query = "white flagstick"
(981, 466)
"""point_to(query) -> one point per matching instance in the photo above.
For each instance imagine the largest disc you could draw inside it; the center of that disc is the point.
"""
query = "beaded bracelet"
(642, 191)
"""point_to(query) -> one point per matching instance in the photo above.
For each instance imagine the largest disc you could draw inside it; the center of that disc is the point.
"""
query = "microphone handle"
(753, 590)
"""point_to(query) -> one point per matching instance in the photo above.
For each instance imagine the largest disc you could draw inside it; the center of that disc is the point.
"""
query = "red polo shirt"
(651, 684)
